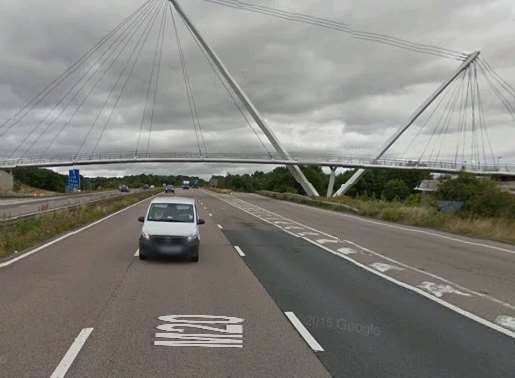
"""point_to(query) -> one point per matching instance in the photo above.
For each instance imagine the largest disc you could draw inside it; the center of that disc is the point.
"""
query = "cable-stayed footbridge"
(79, 118)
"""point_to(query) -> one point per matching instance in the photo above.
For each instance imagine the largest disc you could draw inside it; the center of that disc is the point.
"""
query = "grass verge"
(26, 233)
(497, 229)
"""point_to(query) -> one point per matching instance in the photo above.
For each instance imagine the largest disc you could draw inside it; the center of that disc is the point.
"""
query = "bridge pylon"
(295, 170)
(471, 58)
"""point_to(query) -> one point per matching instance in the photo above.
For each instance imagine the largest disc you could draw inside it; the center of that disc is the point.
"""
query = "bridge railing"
(257, 158)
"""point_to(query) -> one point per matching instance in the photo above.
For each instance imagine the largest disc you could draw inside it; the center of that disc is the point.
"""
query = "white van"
(170, 228)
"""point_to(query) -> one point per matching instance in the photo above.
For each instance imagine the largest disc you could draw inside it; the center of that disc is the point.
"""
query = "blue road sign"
(73, 180)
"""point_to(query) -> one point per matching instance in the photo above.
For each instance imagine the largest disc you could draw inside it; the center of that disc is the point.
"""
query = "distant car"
(152, 186)
(170, 228)
(169, 189)
(185, 185)
(146, 187)
(124, 189)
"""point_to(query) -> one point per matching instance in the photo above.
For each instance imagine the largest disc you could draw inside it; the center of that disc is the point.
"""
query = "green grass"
(30, 232)
(498, 229)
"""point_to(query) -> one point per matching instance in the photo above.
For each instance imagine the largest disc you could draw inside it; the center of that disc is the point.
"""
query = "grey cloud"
(322, 91)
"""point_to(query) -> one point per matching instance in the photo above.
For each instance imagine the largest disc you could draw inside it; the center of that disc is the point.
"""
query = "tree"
(396, 189)
(481, 197)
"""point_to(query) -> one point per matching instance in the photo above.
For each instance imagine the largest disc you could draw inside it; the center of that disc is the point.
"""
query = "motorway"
(303, 292)
(15, 207)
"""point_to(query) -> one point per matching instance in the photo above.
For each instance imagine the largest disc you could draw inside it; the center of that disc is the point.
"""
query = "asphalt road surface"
(280, 289)
(15, 207)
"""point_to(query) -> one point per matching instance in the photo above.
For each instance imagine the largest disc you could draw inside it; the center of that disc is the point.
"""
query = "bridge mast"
(294, 169)
(354, 179)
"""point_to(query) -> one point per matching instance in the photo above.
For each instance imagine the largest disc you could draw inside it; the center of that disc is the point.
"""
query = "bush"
(396, 189)
(481, 197)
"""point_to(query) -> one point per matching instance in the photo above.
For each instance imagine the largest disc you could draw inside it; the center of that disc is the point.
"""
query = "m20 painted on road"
(208, 331)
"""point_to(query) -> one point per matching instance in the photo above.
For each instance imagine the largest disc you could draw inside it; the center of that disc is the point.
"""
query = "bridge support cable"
(423, 125)
(443, 105)
(161, 39)
(345, 28)
(294, 170)
(487, 149)
(231, 93)
(150, 93)
(442, 126)
(497, 90)
(358, 174)
(62, 104)
(130, 64)
(102, 64)
(189, 91)
(19, 115)
(130, 75)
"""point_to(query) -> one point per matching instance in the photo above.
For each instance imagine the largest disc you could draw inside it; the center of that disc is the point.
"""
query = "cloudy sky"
(323, 92)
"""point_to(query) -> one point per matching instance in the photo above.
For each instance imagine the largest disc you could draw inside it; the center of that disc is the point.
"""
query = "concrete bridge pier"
(330, 187)
(6, 181)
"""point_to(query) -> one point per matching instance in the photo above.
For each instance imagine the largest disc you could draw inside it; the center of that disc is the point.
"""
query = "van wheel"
(195, 257)
(142, 256)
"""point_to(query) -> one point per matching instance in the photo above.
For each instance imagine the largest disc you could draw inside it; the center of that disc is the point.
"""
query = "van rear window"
(171, 212)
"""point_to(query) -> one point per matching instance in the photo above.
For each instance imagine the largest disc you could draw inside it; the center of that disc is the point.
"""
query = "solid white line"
(404, 228)
(67, 361)
(489, 297)
(429, 296)
(40, 248)
(308, 337)
(220, 226)
(240, 252)
(136, 254)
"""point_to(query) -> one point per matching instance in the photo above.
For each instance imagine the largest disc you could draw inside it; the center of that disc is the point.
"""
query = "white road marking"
(225, 331)
(293, 228)
(220, 226)
(240, 252)
(67, 361)
(419, 291)
(435, 276)
(46, 245)
(210, 214)
(346, 251)
(309, 234)
(308, 337)
(384, 267)
(136, 254)
(290, 233)
(409, 229)
(327, 241)
(439, 289)
(506, 321)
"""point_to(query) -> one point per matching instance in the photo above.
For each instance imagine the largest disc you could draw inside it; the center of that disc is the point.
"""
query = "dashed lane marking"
(136, 254)
(65, 236)
(439, 290)
(240, 252)
(327, 241)
(72, 353)
(342, 254)
(346, 251)
(220, 226)
(306, 335)
(382, 267)
(506, 321)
